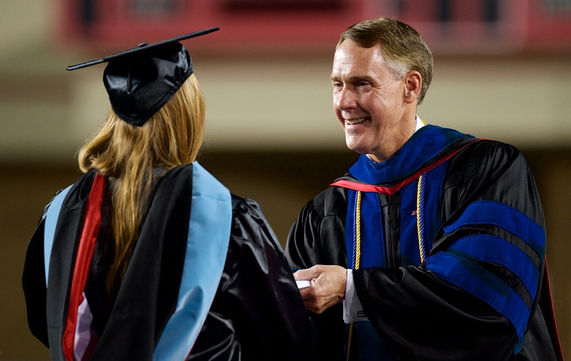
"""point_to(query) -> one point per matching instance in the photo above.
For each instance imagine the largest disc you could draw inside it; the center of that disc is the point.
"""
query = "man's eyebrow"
(353, 79)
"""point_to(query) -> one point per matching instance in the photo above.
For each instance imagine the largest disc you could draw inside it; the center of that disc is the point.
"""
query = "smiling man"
(432, 246)
(375, 105)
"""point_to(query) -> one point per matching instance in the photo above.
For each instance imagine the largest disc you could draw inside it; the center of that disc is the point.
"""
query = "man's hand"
(327, 286)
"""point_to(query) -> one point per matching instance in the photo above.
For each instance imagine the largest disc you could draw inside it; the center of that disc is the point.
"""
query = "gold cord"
(357, 258)
(419, 219)
(349, 340)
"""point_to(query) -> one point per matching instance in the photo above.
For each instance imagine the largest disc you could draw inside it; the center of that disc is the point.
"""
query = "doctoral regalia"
(446, 240)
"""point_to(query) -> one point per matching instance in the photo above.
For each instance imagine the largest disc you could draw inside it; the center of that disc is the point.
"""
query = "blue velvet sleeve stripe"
(488, 248)
(504, 216)
(484, 285)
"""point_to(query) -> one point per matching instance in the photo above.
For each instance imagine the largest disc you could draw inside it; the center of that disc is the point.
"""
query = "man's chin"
(357, 148)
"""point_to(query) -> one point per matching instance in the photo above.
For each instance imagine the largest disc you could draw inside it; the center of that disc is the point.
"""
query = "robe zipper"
(391, 252)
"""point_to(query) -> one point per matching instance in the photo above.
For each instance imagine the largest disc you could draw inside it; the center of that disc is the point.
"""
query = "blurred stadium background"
(502, 71)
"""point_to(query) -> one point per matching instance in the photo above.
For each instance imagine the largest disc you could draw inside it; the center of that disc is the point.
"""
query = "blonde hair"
(127, 154)
(402, 47)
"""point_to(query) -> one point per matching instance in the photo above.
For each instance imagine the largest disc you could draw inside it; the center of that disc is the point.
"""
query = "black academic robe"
(463, 297)
(256, 313)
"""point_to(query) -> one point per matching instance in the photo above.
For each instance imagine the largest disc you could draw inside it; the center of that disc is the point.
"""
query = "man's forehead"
(351, 60)
(349, 52)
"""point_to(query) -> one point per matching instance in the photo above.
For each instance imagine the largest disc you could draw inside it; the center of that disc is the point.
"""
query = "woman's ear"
(412, 85)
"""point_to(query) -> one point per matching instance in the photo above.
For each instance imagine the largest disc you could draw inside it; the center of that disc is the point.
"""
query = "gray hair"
(402, 47)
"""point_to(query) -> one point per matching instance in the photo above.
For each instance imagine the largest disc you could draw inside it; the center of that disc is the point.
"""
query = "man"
(434, 240)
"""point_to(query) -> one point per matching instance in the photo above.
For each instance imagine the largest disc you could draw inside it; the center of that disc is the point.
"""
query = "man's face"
(369, 102)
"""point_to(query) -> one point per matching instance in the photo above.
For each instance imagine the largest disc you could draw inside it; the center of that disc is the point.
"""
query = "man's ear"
(412, 84)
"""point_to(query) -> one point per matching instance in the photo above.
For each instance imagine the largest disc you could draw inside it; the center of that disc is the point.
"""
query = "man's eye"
(337, 86)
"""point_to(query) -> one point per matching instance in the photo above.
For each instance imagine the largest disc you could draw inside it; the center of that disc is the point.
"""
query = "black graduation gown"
(256, 314)
(416, 313)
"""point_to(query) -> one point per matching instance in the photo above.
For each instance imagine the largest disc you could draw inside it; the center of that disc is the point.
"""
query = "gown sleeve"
(257, 298)
(34, 284)
(317, 237)
(476, 294)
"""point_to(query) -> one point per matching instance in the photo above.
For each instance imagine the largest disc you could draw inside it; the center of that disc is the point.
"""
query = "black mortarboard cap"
(141, 80)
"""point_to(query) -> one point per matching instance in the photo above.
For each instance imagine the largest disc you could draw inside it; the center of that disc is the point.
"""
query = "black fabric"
(265, 317)
(35, 285)
(141, 80)
(419, 316)
(257, 313)
(63, 255)
(138, 86)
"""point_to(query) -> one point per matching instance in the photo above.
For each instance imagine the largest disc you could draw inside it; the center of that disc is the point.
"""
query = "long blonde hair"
(127, 154)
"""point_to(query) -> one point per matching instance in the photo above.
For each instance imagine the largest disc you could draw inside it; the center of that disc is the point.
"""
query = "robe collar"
(425, 144)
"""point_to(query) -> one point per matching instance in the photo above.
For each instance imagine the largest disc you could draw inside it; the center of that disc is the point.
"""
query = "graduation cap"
(141, 80)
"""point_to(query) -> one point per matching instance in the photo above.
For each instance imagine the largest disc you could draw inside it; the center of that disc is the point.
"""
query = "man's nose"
(345, 99)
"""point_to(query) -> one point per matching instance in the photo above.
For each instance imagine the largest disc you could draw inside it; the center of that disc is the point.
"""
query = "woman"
(147, 256)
